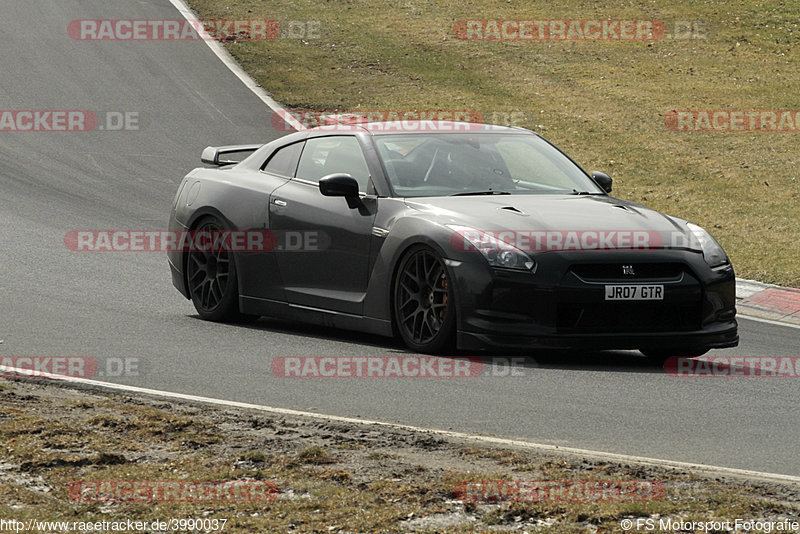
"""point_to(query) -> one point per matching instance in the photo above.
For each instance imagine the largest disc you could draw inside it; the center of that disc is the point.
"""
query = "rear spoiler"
(211, 154)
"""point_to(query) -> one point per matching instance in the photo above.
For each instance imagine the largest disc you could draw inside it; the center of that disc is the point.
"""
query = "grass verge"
(331, 477)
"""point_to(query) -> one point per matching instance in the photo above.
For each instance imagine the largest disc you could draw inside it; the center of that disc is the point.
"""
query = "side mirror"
(603, 180)
(340, 185)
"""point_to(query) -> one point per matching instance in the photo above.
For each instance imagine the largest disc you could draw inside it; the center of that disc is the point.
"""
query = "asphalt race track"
(56, 302)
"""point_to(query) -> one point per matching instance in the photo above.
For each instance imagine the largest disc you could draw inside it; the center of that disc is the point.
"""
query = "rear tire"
(424, 303)
(212, 281)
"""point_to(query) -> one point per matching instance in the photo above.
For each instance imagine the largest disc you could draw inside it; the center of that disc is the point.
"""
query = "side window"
(328, 155)
(283, 161)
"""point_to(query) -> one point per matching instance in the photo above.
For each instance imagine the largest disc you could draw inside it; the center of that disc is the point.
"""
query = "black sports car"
(455, 233)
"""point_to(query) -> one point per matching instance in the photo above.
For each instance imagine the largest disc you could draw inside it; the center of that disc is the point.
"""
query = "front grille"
(613, 272)
(613, 317)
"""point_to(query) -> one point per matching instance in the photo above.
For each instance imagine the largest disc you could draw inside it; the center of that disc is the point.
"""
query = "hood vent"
(512, 209)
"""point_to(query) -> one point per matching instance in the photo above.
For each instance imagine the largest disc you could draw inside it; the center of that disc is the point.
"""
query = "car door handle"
(278, 202)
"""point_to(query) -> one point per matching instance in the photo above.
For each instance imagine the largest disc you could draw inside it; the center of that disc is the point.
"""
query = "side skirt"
(305, 314)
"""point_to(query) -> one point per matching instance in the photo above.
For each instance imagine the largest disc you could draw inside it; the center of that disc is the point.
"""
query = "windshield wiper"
(489, 192)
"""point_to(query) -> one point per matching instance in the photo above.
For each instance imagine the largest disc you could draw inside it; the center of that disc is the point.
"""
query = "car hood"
(555, 214)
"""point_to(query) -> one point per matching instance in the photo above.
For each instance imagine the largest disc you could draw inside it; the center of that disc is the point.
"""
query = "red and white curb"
(768, 301)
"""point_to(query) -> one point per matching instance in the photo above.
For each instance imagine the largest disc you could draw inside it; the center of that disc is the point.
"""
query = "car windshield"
(432, 165)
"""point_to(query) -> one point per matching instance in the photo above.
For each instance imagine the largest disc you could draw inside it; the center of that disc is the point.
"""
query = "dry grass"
(393, 481)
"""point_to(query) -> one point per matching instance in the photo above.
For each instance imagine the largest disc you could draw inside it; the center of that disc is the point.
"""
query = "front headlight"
(497, 252)
(712, 251)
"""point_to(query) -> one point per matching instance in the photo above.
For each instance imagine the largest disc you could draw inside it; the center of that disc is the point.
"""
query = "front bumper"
(719, 336)
(563, 304)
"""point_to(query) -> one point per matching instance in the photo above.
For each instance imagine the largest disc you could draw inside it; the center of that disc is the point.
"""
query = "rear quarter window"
(283, 161)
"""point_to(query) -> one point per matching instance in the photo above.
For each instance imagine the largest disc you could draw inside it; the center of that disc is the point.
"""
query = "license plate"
(634, 292)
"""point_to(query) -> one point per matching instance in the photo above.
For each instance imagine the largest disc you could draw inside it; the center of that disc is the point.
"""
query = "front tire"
(212, 280)
(424, 303)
